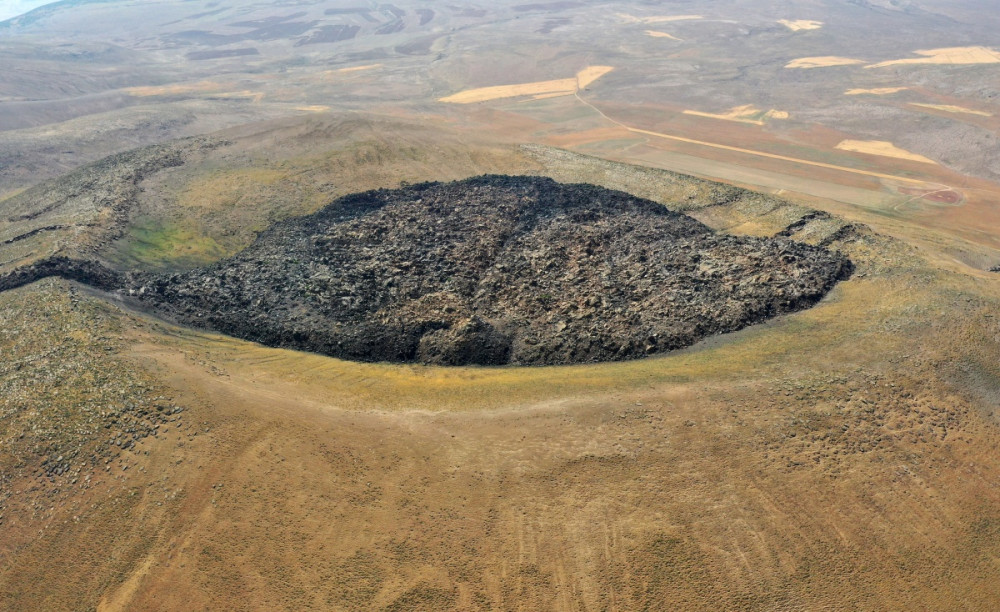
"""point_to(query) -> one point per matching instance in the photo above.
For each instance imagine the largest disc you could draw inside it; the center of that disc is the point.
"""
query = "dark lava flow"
(491, 270)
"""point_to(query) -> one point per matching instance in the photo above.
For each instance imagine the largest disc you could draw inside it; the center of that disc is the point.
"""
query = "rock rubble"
(491, 270)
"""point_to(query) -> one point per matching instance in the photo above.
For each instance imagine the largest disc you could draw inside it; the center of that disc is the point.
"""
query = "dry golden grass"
(766, 154)
(254, 96)
(824, 61)
(656, 34)
(176, 89)
(555, 94)
(883, 148)
(658, 18)
(948, 108)
(558, 87)
(748, 113)
(206, 89)
(756, 469)
(801, 24)
(877, 91)
(357, 68)
(590, 74)
(843, 457)
(961, 56)
(484, 94)
(214, 208)
(336, 75)
(226, 189)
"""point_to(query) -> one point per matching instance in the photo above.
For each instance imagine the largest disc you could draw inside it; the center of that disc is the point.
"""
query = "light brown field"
(590, 74)
(747, 113)
(950, 55)
(554, 94)
(774, 177)
(918, 191)
(254, 96)
(358, 68)
(822, 62)
(801, 24)
(883, 148)
(315, 108)
(841, 458)
(759, 466)
(948, 108)
(941, 202)
(556, 87)
(928, 205)
(659, 18)
(483, 94)
(656, 34)
(176, 89)
(759, 153)
(210, 90)
(877, 91)
(756, 469)
(337, 74)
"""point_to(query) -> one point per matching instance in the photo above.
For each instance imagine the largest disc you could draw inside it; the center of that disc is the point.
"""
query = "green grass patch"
(155, 244)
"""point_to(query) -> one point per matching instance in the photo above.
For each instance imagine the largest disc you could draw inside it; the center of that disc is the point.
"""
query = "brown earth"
(824, 61)
(842, 458)
(948, 56)
(777, 467)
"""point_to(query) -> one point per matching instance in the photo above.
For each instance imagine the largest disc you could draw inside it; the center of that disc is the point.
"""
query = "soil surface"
(492, 270)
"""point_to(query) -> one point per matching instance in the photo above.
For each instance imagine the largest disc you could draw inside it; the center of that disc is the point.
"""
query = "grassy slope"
(216, 203)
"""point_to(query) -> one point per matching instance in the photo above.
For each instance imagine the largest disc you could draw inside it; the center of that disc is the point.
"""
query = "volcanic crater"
(492, 270)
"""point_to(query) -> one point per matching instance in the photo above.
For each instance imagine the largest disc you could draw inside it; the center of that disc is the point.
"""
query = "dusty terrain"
(747, 113)
(777, 467)
(557, 87)
(798, 25)
(823, 62)
(658, 34)
(842, 457)
(881, 147)
(951, 108)
(950, 56)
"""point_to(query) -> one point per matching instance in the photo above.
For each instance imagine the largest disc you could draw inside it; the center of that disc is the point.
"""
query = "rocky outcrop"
(492, 270)
(86, 272)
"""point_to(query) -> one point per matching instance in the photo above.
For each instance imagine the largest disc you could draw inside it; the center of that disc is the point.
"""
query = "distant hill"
(21, 12)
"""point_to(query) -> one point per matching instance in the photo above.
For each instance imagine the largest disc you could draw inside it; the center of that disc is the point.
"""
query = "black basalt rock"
(492, 270)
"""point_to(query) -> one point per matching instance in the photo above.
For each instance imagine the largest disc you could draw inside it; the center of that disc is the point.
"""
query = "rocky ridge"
(492, 270)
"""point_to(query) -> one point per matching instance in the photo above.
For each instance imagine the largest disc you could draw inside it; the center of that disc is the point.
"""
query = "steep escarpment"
(491, 270)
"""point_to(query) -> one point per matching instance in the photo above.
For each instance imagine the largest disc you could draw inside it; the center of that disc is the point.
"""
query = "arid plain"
(843, 457)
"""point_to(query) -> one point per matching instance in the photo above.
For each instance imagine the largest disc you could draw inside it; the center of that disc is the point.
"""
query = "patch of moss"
(156, 244)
